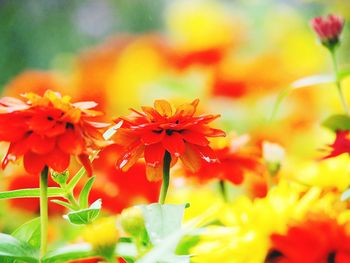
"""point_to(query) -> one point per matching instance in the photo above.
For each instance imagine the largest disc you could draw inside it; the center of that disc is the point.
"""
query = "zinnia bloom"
(314, 241)
(47, 130)
(328, 28)
(158, 130)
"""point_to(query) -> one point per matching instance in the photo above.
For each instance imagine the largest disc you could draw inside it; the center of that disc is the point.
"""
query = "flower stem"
(44, 217)
(223, 190)
(337, 81)
(71, 199)
(166, 177)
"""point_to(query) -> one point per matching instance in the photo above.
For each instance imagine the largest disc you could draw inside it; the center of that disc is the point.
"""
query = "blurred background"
(236, 56)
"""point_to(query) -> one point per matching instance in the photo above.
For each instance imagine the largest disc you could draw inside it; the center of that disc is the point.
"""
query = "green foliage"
(71, 252)
(85, 216)
(12, 249)
(338, 122)
(60, 178)
(29, 232)
(84, 194)
(31, 192)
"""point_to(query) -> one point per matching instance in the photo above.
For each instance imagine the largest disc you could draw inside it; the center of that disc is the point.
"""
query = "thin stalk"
(71, 199)
(44, 216)
(166, 177)
(223, 190)
(337, 81)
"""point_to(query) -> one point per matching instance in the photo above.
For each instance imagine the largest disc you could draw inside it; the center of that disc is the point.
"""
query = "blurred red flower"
(340, 145)
(232, 166)
(318, 240)
(328, 28)
(158, 130)
(47, 130)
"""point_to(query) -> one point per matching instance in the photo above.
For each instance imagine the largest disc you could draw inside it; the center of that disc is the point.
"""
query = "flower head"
(46, 130)
(316, 240)
(328, 29)
(158, 130)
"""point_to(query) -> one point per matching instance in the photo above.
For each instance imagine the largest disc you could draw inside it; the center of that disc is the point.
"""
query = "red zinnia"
(47, 130)
(315, 241)
(158, 130)
(328, 28)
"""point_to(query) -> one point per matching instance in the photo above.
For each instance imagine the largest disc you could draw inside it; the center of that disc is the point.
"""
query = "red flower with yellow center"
(160, 130)
(319, 240)
(46, 130)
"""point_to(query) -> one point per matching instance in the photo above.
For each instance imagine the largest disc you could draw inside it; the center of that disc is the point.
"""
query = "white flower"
(272, 152)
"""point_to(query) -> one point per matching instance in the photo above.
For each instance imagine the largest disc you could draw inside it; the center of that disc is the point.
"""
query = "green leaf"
(85, 216)
(29, 232)
(71, 252)
(162, 220)
(126, 250)
(338, 122)
(84, 194)
(345, 195)
(343, 74)
(14, 249)
(31, 192)
(62, 203)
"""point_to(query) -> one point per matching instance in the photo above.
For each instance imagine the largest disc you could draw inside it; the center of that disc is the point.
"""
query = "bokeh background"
(236, 56)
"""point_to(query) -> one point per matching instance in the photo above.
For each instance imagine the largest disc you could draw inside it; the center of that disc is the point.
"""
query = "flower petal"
(194, 137)
(154, 154)
(154, 173)
(191, 159)
(84, 160)
(174, 144)
(206, 153)
(163, 107)
(151, 137)
(130, 157)
(71, 142)
(33, 163)
(58, 160)
(41, 144)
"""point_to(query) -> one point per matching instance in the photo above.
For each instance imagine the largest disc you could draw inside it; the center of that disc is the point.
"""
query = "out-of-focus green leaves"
(337, 122)
(85, 216)
(12, 249)
(84, 194)
(71, 252)
(29, 232)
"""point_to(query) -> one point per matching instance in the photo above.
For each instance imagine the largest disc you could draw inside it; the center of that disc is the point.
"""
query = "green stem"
(44, 216)
(166, 177)
(338, 82)
(223, 190)
(71, 199)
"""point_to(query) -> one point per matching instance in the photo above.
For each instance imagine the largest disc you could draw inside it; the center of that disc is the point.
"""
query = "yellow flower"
(102, 233)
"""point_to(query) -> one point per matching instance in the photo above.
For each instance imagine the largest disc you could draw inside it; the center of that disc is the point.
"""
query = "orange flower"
(314, 241)
(47, 130)
(158, 130)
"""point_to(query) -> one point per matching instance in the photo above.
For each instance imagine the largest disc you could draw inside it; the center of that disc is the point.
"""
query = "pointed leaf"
(84, 194)
(29, 232)
(64, 204)
(85, 216)
(31, 192)
(338, 122)
(71, 252)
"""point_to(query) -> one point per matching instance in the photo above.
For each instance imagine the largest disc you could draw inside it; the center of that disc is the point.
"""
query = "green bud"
(60, 178)
(132, 221)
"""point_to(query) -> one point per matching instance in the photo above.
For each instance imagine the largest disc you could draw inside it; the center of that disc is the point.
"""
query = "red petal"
(71, 142)
(85, 161)
(154, 154)
(40, 144)
(58, 160)
(56, 130)
(154, 173)
(163, 107)
(151, 137)
(174, 144)
(195, 137)
(191, 159)
(206, 153)
(33, 163)
(130, 157)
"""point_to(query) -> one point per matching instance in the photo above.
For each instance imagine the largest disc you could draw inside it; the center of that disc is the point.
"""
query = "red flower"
(47, 130)
(341, 144)
(232, 166)
(158, 130)
(315, 241)
(328, 28)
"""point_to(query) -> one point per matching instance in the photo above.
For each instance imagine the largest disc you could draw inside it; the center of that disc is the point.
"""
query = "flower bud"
(328, 29)
(60, 178)
(273, 155)
(132, 221)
